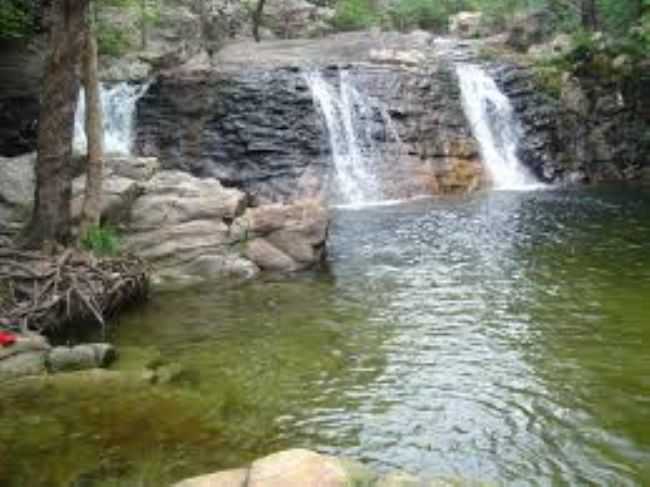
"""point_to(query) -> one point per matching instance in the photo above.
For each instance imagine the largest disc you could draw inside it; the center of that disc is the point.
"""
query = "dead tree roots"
(43, 293)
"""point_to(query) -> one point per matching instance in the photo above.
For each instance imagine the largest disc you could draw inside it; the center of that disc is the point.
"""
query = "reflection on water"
(501, 337)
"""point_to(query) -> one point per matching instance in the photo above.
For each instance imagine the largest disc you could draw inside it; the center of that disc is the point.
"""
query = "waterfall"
(494, 125)
(118, 106)
(348, 116)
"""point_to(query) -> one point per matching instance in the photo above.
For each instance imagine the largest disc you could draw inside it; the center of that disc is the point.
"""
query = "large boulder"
(284, 237)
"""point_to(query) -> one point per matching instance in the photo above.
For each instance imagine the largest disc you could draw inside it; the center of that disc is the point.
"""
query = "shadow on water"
(500, 336)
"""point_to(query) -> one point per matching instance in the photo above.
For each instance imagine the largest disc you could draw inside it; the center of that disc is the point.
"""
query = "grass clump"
(101, 240)
(354, 15)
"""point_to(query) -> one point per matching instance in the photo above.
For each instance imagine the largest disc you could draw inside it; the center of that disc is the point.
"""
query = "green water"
(503, 337)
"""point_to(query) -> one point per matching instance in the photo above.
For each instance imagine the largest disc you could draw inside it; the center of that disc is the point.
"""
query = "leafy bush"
(422, 14)
(15, 19)
(101, 240)
(113, 41)
(354, 15)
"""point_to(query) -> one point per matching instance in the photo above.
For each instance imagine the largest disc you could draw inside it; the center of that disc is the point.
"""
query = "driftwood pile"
(42, 293)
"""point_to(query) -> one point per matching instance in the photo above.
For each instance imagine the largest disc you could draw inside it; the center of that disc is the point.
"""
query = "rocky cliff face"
(258, 129)
(255, 130)
(595, 129)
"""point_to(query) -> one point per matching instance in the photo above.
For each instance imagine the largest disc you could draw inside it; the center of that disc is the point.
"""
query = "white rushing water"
(118, 105)
(348, 114)
(494, 125)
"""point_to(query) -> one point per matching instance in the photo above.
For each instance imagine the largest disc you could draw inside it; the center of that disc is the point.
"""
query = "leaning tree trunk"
(92, 204)
(589, 15)
(50, 220)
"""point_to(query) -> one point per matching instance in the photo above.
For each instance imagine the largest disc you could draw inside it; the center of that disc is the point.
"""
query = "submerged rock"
(31, 354)
(81, 357)
(23, 364)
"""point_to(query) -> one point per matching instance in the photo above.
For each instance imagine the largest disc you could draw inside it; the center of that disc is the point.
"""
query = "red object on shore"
(7, 339)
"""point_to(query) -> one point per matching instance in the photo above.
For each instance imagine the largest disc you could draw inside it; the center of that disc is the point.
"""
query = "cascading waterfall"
(348, 115)
(118, 106)
(494, 125)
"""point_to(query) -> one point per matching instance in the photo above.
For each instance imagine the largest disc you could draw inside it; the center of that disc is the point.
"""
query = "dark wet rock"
(21, 65)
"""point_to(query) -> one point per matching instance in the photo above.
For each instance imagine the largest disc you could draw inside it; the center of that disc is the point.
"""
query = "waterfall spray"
(118, 106)
(494, 125)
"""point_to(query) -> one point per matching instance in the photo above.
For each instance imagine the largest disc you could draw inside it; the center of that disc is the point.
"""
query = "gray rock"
(18, 180)
(80, 357)
(23, 364)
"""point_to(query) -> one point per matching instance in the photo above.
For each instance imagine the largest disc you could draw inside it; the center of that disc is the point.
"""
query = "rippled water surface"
(503, 337)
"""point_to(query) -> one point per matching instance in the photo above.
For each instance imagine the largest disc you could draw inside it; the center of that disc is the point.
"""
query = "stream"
(501, 337)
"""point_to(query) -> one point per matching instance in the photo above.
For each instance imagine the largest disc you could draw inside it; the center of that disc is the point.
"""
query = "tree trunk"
(257, 19)
(50, 220)
(589, 15)
(92, 204)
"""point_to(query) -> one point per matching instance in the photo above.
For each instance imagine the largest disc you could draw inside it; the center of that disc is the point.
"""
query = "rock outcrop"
(304, 468)
(187, 227)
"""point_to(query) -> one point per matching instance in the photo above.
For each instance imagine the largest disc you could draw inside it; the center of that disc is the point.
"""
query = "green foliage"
(422, 14)
(113, 41)
(15, 19)
(101, 241)
(355, 15)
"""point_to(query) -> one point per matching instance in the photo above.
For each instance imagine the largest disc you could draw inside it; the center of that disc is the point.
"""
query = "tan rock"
(268, 257)
(297, 468)
(175, 197)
